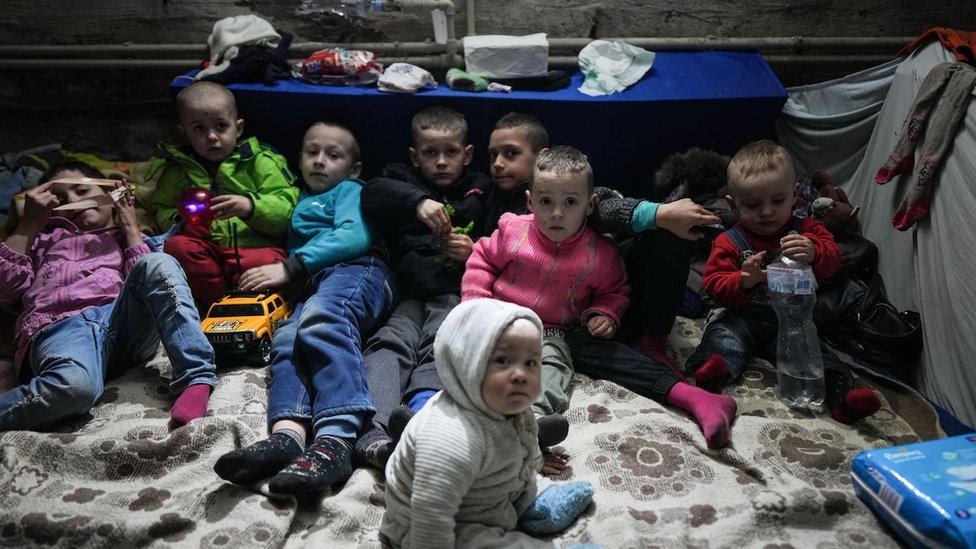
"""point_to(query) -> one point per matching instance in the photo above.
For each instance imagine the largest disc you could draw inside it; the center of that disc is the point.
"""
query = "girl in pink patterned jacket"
(92, 300)
(575, 281)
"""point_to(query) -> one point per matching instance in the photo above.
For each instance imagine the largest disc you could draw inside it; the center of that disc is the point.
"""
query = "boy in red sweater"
(763, 184)
(574, 279)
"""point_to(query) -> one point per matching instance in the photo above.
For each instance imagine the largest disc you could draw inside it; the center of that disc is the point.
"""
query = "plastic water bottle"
(799, 364)
(359, 8)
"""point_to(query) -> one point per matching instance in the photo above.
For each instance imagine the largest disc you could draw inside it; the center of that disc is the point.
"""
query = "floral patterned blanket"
(120, 477)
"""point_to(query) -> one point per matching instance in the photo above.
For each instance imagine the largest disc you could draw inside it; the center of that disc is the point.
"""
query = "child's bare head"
(440, 145)
(535, 134)
(561, 192)
(330, 154)
(565, 162)
(441, 118)
(207, 115)
(760, 158)
(513, 146)
(762, 182)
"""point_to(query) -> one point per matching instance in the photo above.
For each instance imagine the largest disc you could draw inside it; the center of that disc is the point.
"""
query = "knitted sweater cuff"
(615, 215)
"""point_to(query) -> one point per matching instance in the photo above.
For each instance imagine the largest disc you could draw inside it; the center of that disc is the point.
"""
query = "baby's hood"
(464, 344)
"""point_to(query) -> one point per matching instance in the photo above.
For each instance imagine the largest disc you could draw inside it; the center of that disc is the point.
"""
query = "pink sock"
(656, 347)
(191, 404)
(714, 413)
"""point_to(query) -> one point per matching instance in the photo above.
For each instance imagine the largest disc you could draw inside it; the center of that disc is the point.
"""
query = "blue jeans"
(72, 358)
(739, 334)
(317, 368)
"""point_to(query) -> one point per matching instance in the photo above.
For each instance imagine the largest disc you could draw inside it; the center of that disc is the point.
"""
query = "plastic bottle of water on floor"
(799, 364)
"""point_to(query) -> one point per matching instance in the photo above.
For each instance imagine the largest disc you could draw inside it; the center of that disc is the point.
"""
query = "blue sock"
(556, 508)
(419, 398)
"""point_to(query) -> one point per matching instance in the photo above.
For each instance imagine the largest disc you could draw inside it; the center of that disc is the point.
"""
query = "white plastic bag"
(405, 78)
(612, 66)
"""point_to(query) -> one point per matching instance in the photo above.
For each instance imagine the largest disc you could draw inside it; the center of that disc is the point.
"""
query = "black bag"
(872, 329)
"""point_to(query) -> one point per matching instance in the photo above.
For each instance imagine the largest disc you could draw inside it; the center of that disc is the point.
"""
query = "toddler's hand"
(457, 247)
(433, 214)
(600, 326)
(752, 272)
(39, 202)
(798, 248)
(553, 464)
(274, 275)
(682, 216)
(556, 508)
(226, 206)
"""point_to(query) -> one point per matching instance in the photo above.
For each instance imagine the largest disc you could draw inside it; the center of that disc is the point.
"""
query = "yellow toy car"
(243, 323)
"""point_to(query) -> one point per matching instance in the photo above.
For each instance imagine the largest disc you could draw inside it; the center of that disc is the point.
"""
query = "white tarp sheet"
(847, 127)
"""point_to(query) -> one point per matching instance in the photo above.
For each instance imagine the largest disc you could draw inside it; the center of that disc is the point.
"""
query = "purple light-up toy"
(194, 205)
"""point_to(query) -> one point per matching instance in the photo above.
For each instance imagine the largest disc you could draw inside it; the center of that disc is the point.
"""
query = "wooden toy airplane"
(100, 200)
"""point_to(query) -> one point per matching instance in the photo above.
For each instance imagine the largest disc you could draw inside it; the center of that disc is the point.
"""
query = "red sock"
(191, 404)
(857, 404)
(714, 413)
(656, 347)
(910, 213)
(895, 165)
(712, 374)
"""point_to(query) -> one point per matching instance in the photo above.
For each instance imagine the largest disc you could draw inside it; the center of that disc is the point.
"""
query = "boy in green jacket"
(253, 194)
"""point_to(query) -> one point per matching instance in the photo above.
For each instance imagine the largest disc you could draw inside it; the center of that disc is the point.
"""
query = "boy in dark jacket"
(428, 214)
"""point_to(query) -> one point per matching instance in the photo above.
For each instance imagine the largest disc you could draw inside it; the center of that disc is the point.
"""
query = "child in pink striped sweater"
(575, 281)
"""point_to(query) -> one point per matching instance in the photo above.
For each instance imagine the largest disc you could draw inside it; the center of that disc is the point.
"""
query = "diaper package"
(925, 491)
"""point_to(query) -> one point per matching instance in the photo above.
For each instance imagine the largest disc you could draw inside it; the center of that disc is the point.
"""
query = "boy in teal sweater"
(318, 382)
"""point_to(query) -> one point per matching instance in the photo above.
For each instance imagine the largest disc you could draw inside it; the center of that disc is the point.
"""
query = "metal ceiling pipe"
(793, 43)
(573, 61)
(827, 59)
(470, 16)
(428, 62)
(431, 61)
(99, 64)
(201, 52)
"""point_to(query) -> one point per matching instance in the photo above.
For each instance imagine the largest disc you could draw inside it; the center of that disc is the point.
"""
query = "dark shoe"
(373, 448)
(398, 421)
(553, 429)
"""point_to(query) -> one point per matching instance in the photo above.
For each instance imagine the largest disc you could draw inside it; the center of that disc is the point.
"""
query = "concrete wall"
(126, 111)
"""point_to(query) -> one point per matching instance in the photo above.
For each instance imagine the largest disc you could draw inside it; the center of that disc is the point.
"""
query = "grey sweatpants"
(399, 357)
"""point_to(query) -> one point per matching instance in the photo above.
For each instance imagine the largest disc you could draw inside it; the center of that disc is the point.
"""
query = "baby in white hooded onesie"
(465, 471)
